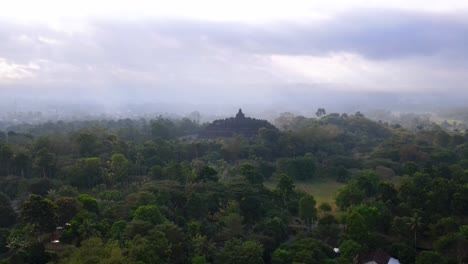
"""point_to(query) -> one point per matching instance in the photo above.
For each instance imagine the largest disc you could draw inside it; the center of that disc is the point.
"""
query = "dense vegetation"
(139, 191)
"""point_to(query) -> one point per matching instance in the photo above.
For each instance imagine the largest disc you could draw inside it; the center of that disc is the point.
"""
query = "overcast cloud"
(184, 57)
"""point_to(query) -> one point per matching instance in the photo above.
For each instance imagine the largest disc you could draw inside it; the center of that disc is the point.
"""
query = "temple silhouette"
(239, 125)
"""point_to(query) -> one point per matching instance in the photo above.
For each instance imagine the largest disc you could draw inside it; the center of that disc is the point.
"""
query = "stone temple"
(239, 125)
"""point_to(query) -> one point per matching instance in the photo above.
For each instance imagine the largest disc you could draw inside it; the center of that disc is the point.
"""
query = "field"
(322, 190)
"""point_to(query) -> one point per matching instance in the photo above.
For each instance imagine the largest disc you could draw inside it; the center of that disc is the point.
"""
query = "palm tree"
(415, 223)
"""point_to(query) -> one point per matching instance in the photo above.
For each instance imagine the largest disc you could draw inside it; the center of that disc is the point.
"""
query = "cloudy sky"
(229, 50)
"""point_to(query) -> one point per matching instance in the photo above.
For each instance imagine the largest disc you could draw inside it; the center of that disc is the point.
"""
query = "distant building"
(240, 114)
(239, 125)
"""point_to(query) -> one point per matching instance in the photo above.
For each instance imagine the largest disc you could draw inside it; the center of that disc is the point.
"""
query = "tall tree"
(45, 163)
(6, 155)
(285, 188)
(67, 208)
(356, 228)
(120, 168)
(250, 172)
(22, 163)
(307, 210)
(415, 223)
(40, 212)
(321, 112)
(87, 144)
(86, 172)
(7, 214)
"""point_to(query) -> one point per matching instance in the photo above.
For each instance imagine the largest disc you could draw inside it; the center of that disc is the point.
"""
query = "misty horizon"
(122, 59)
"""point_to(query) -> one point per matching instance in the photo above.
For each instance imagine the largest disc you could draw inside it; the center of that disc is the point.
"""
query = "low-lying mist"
(39, 107)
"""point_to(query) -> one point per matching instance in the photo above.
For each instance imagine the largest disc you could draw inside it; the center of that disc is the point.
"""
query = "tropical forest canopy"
(149, 191)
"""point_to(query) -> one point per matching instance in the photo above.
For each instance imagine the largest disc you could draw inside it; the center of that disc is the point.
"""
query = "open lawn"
(322, 190)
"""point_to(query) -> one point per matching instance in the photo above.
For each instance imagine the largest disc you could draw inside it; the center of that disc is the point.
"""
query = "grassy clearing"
(322, 190)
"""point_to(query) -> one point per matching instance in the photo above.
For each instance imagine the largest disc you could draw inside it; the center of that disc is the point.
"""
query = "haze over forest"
(77, 58)
(227, 132)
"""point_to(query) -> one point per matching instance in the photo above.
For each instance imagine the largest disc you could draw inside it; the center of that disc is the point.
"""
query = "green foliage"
(111, 195)
(356, 228)
(165, 198)
(281, 256)
(180, 172)
(89, 203)
(156, 172)
(199, 260)
(454, 246)
(387, 193)
(4, 234)
(161, 128)
(365, 185)
(274, 227)
(376, 216)
(6, 156)
(308, 250)
(117, 230)
(403, 252)
(348, 196)
(20, 238)
(285, 188)
(45, 163)
(235, 251)
(349, 251)
(67, 191)
(40, 186)
(85, 172)
(300, 168)
(149, 213)
(119, 168)
(232, 225)
(39, 212)
(34, 253)
(430, 257)
(307, 210)
(325, 208)
(368, 182)
(67, 208)
(83, 226)
(154, 248)
(207, 174)
(94, 251)
(177, 241)
(250, 172)
(87, 144)
(137, 228)
(8, 215)
(410, 168)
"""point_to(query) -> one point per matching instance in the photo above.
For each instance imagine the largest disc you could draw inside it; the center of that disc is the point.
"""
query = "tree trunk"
(415, 243)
